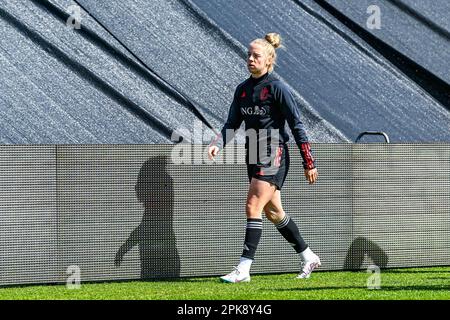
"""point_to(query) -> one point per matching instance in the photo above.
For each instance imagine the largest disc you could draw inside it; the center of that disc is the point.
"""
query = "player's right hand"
(212, 152)
(311, 175)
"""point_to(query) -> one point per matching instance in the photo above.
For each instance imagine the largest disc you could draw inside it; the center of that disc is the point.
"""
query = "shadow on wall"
(361, 247)
(155, 236)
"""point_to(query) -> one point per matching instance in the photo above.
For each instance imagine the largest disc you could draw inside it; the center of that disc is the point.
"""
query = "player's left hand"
(311, 175)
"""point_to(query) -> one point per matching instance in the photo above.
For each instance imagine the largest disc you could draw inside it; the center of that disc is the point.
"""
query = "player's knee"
(273, 214)
(252, 210)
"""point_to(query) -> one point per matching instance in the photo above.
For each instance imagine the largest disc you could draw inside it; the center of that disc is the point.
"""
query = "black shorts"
(273, 171)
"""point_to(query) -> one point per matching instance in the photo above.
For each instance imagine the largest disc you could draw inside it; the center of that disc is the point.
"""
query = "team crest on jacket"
(264, 94)
(243, 95)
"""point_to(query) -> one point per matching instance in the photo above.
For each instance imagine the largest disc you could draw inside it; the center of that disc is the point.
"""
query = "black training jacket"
(266, 103)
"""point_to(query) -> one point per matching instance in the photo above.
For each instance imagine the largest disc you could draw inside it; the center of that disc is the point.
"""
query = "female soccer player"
(264, 103)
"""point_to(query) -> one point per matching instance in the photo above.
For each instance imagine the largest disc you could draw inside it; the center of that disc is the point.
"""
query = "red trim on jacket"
(308, 160)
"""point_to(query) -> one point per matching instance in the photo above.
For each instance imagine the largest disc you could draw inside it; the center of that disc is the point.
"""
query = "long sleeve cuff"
(217, 141)
(308, 159)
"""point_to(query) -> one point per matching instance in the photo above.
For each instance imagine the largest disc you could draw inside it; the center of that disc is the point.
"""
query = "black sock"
(253, 233)
(289, 231)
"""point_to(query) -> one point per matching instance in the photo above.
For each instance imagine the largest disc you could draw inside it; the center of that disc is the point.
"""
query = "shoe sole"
(316, 265)
(227, 281)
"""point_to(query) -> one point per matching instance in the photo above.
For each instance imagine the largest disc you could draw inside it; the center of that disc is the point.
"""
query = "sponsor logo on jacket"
(253, 111)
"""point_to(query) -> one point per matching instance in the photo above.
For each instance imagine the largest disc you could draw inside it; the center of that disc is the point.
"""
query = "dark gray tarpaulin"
(437, 11)
(128, 212)
(417, 28)
(138, 70)
(62, 85)
(349, 84)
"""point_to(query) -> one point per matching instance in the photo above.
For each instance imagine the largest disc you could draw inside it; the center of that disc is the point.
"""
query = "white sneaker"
(236, 276)
(308, 267)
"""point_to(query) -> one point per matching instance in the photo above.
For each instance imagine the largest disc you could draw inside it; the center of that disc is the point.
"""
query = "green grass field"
(405, 284)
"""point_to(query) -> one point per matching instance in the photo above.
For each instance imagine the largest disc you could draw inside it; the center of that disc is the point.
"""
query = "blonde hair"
(270, 42)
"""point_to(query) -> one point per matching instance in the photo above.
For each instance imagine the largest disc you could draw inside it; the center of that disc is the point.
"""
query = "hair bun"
(274, 39)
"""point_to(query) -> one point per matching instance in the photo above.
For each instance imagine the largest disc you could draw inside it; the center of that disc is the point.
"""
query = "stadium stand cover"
(138, 70)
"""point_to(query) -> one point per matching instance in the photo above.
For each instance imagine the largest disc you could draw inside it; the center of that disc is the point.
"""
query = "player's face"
(257, 60)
